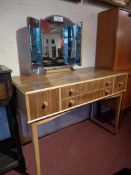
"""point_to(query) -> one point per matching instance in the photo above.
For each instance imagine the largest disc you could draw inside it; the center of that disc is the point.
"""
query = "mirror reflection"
(54, 41)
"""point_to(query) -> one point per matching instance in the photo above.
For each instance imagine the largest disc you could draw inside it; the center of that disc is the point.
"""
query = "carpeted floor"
(82, 149)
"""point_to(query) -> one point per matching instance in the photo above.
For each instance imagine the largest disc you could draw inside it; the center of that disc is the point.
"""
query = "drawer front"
(74, 101)
(107, 91)
(108, 82)
(43, 103)
(120, 83)
(70, 91)
(98, 85)
(85, 92)
(102, 93)
(84, 88)
(85, 98)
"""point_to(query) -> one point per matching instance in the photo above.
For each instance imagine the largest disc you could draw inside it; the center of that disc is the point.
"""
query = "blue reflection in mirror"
(35, 41)
(72, 42)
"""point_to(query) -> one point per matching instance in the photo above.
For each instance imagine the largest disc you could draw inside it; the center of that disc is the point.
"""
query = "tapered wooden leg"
(36, 147)
(118, 109)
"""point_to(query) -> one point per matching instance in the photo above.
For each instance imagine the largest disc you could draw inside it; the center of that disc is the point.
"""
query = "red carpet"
(82, 149)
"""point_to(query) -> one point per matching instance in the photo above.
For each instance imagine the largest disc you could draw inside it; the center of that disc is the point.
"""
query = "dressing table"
(44, 97)
(54, 43)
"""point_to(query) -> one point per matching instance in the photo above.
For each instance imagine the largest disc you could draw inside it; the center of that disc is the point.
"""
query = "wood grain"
(40, 82)
(59, 94)
(43, 103)
(106, 38)
(113, 44)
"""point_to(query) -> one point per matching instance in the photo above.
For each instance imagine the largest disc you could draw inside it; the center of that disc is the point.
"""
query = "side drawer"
(120, 83)
(43, 103)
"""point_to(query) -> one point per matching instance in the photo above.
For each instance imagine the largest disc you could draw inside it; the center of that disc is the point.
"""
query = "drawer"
(108, 82)
(120, 83)
(80, 89)
(98, 85)
(85, 98)
(77, 100)
(100, 93)
(43, 103)
(84, 88)
(70, 102)
(107, 91)
(72, 90)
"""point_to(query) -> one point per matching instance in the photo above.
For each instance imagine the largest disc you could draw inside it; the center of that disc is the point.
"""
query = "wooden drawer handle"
(108, 83)
(44, 105)
(72, 102)
(107, 92)
(71, 92)
(120, 84)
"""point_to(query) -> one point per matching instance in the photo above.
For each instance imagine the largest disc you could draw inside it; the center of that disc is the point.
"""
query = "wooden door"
(123, 41)
(106, 38)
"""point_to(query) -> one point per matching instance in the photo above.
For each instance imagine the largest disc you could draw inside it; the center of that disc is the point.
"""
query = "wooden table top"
(38, 82)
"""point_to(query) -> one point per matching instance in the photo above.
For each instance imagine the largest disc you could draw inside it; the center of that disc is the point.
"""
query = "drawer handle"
(44, 105)
(107, 92)
(72, 102)
(71, 92)
(120, 84)
(108, 83)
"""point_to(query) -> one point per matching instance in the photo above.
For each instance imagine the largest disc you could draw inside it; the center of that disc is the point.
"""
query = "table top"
(38, 82)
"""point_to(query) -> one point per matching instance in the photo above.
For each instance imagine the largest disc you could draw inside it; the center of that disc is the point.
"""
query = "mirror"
(54, 41)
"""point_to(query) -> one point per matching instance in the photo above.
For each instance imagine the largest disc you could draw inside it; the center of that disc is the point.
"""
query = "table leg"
(36, 147)
(118, 110)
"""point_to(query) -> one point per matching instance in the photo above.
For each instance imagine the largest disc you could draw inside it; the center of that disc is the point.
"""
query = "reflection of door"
(54, 51)
(72, 43)
(35, 40)
(54, 42)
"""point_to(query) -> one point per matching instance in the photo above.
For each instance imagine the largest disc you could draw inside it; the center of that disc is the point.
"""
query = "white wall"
(13, 15)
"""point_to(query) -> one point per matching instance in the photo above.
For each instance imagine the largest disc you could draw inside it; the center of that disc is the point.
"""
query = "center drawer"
(43, 103)
(86, 87)
(85, 98)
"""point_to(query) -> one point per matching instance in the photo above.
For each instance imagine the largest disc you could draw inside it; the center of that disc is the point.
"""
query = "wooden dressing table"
(44, 97)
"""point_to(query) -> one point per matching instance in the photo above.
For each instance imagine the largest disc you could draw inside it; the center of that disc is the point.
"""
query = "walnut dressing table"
(44, 97)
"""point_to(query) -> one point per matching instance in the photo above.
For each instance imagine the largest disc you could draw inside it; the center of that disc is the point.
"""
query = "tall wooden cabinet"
(113, 49)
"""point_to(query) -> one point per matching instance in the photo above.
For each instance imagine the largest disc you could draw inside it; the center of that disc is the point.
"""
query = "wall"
(13, 15)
